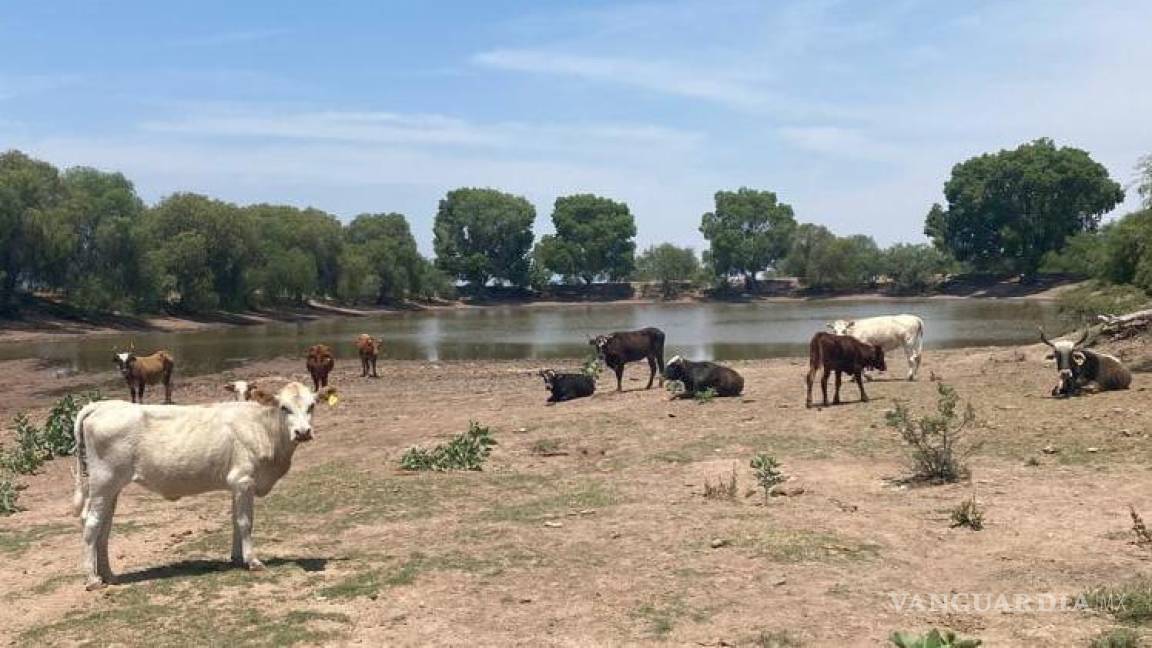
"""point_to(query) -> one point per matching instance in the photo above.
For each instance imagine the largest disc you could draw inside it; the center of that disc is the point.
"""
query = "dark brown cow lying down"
(842, 354)
(701, 376)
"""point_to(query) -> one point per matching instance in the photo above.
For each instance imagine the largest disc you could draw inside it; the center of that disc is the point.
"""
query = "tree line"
(87, 236)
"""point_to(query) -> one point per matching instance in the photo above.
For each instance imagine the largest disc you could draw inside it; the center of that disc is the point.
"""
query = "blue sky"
(853, 112)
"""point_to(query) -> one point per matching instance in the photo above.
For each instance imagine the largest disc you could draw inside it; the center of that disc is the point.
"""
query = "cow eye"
(311, 407)
(284, 408)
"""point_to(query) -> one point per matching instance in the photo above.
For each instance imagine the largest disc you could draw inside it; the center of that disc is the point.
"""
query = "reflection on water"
(717, 331)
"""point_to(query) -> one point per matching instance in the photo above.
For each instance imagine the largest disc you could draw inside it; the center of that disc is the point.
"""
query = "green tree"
(824, 261)
(286, 235)
(1128, 250)
(1144, 180)
(484, 234)
(386, 243)
(667, 263)
(594, 238)
(1007, 210)
(30, 191)
(207, 248)
(749, 231)
(1084, 254)
(914, 268)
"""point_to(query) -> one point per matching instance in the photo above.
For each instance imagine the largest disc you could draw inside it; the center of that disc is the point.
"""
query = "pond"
(699, 331)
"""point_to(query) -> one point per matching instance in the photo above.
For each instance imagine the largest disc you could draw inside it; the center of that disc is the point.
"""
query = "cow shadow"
(199, 568)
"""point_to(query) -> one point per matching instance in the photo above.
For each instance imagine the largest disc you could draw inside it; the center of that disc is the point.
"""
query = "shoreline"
(39, 324)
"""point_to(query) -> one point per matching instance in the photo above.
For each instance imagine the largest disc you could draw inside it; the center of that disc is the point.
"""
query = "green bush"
(9, 493)
(936, 442)
(767, 471)
(1084, 303)
(968, 514)
(933, 639)
(704, 395)
(466, 451)
(34, 446)
(1116, 638)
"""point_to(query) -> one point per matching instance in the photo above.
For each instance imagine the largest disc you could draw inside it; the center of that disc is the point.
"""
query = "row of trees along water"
(86, 236)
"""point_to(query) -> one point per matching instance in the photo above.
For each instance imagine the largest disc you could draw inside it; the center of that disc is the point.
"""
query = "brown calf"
(369, 348)
(319, 364)
(139, 371)
(841, 353)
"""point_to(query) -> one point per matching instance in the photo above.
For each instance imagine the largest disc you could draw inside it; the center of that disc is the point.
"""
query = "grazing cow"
(184, 450)
(368, 347)
(319, 365)
(890, 332)
(701, 376)
(567, 386)
(622, 347)
(1081, 369)
(842, 354)
(139, 371)
(242, 389)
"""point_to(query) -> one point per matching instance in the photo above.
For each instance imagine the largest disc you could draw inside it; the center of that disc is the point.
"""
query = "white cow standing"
(890, 332)
(177, 451)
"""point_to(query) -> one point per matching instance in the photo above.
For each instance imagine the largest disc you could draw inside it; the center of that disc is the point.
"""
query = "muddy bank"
(588, 525)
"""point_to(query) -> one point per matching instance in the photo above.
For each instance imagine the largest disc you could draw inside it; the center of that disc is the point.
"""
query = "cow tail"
(80, 494)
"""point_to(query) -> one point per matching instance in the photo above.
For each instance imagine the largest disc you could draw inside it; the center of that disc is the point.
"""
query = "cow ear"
(1050, 356)
(1078, 357)
(251, 389)
(230, 387)
(264, 398)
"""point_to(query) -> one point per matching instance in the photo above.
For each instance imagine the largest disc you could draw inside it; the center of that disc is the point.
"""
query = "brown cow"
(369, 348)
(622, 347)
(319, 364)
(139, 371)
(841, 353)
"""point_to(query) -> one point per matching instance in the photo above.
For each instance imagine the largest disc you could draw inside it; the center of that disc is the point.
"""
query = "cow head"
(600, 342)
(675, 368)
(124, 361)
(1069, 360)
(243, 389)
(295, 403)
(841, 327)
(549, 377)
(877, 360)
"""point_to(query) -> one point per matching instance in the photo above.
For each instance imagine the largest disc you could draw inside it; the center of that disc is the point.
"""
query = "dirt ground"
(588, 524)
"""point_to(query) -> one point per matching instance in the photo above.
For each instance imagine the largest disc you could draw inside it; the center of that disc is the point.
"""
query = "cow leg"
(363, 367)
(103, 565)
(808, 380)
(97, 525)
(619, 369)
(824, 386)
(374, 374)
(660, 365)
(243, 508)
(651, 372)
(836, 397)
(141, 388)
(167, 390)
(860, 384)
(913, 360)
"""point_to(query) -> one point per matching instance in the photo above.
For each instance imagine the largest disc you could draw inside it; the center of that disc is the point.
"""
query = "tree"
(1128, 250)
(1007, 210)
(749, 231)
(824, 261)
(667, 263)
(207, 248)
(484, 234)
(1144, 180)
(593, 239)
(914, 268)
(29, 191)
(286, 233)
(386, 244)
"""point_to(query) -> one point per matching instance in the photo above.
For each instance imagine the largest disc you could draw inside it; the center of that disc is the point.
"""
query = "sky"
(852, 112)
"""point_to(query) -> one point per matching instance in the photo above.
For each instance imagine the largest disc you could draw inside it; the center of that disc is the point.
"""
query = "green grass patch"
(791, 546)
(14, 542)
(551, 499)
(1129, 602)
(661, 617)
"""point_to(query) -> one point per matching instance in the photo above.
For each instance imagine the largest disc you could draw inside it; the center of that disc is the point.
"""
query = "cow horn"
(1084, 338)
(1044, 338)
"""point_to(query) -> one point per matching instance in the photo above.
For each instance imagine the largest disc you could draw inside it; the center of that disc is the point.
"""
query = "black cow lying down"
(701, 376)
(566, 386)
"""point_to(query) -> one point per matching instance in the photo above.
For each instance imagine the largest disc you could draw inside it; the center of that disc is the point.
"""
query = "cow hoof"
(255, 565)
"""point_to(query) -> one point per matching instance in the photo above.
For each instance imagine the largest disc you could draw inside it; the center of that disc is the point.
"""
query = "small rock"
(1126, 432)
(671, 415)
(553, 524)
(780, 581)
(786, 490)
(719, 542)
(522, 430)
(1093, 449)
(1049, 449)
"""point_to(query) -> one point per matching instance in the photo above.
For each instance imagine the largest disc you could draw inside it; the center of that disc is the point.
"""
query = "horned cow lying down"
(701, 376)
(567, 386)
(177, 451)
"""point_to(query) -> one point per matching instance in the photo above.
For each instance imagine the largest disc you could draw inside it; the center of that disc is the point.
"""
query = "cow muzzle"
(302, 436)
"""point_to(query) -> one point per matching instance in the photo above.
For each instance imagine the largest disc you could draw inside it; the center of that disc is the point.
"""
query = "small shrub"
(767, 471)
(674, 387)
(58, 436)
(704, 395)
(932, 639)
(721, 489)
(9, 493)
(34, 446)
(968, 514)
(592, 366)
(1129, 602)
(1143, 537)
(29, 452)
(937, 446)
(1116, 638)
(776, 639)
(546, 447)
(466, 451)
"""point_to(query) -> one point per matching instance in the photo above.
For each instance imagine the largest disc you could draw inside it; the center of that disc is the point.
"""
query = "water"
(719, 331)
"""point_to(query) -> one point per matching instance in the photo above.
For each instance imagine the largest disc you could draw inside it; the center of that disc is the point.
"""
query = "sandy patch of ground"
(588, 525)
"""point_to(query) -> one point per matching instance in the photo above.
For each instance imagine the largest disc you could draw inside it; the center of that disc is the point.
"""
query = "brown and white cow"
(842, 354)
(139, 371)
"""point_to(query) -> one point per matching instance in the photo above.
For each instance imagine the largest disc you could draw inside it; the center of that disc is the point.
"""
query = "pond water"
(700, 331)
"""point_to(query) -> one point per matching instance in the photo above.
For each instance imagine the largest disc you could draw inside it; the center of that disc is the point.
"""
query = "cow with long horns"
(1082, 369)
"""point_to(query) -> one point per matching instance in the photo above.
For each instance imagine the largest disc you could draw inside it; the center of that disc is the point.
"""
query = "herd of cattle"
(244, 446)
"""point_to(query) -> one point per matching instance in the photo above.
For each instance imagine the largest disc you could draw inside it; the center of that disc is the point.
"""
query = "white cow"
(889, 332)
(176, 451)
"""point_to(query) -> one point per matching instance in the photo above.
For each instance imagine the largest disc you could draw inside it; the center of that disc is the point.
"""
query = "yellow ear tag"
(333, 399)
